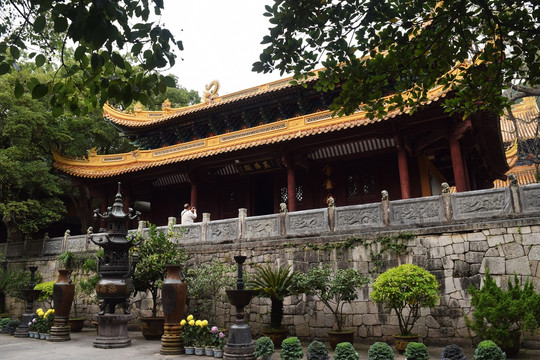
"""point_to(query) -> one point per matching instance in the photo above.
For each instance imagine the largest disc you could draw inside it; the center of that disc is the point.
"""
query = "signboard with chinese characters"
(258, 166)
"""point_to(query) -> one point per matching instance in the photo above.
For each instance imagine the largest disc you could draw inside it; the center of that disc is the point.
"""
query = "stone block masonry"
(457, 237)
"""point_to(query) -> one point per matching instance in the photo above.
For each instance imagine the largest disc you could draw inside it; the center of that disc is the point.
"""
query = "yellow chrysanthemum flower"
(198, 322)
(204, 323)
(190, 317)
(191, 322)
(183, 322)
(40, 312)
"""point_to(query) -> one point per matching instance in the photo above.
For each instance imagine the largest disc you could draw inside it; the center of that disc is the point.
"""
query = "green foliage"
(406, 289)
(4, 322)
(101, 32)
(334, 288)
(453, 352)
(345, 351)
(380, 351)
(416, 351)
(497, 313)
(275, 283)
(316, 350)
(206, 283)
(371, 49)
(291, 349)
(488, 350)
(46, 291)
(264, 347)
(19, 280)
(155, 251)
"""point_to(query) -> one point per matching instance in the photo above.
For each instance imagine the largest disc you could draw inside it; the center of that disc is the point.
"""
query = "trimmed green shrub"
(453, 352)
(46, 291)
(264, 347)
(291, 349)
(4, 322)
(406, 289)
(345, 351)
(488, 350)
(317, 351)
(416, 351)
(380, 351)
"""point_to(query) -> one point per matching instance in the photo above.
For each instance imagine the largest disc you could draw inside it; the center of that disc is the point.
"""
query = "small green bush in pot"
(380, 351)
(488, 350)
(291, 349)
(316, 350)
(416, 351)
(264, 347)
(453, 352)
(345, 351)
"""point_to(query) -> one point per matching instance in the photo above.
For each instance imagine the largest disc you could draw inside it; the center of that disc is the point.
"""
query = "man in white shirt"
(189, 216)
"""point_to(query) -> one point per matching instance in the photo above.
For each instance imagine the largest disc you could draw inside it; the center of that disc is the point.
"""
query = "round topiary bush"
(488, 350)
(380, 351)
(345, 351)
(291, 349)
(453, 352)
(264, 347)
(416, 351)
(317, 351)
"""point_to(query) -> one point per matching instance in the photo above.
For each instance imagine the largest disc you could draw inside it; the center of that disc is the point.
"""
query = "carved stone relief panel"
(530, 198)
(262, 227)
(417, 211)
(484, 203)
(33, 248)
(53, 246)
(192, 233)
(307, 222)
(15, 250)
(222, 230)
(76, 243)
(357, 216)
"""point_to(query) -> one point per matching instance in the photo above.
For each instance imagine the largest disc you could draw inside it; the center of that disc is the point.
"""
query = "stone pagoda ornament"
(115, 269)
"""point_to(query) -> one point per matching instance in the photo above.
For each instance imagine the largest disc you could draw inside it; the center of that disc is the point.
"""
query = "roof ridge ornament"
(211, 92)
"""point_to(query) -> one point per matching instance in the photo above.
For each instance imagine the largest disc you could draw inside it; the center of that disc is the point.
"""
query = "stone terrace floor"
(80, 347)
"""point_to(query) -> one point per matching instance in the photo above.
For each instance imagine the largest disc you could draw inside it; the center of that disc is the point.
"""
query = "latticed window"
(231, 201)
(299, 194)
(353, 182)
(284, 196)
(359, 185)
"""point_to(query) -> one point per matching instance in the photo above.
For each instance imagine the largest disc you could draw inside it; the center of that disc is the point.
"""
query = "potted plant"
(380, 351)
(218, 341)
(206, 284)
(316, 350)
(264, 348)
(275, 283)
(291, 349)
(334, 288)
(416, 351)
(189, 332)
(406, 289)
(155, 251)
(46, 295)
(345, 351)
(501, 316)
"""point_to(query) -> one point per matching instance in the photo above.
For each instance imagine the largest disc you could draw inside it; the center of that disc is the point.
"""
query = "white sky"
(221, 42)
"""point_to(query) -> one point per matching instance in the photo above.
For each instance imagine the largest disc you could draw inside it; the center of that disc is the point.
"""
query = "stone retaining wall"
(457, 236)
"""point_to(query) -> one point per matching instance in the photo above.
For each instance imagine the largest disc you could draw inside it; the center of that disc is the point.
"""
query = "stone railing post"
(331, 213)
(171, 221)
(140, 228)
(514, 193)
(283, 219)
(385, 208)
(447, 201)
(242, 214)
(204, 226)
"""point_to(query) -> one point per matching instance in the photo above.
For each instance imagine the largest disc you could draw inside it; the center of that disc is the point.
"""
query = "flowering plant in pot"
(189, 333)
(334, 288)
(406, 289)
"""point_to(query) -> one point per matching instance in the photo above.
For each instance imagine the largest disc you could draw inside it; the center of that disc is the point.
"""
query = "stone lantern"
(115, 269)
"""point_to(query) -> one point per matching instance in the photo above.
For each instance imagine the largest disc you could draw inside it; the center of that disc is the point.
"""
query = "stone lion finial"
(445, 188)
(90, 230)
(384, 195)
(282, 208)
(330, 201)
(513, 179)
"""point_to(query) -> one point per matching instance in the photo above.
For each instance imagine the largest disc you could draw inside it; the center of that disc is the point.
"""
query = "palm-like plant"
(276, 284)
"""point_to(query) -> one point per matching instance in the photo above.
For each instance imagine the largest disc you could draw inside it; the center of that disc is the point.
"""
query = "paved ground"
(80, 347)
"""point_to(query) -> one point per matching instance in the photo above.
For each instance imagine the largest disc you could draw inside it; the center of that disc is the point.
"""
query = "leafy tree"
(102, 32)
(375, 48)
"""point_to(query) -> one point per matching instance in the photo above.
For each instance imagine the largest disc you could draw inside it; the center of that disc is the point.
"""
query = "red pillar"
(457, 164)
(404, 173)
(193, 197)
(291, 184)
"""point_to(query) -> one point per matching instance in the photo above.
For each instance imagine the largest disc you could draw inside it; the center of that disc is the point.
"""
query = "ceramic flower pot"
(199, 351)
(218, 353)
(209, 351)
(173, 294)
(401, 341)
(336, 337)
(190, 350)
